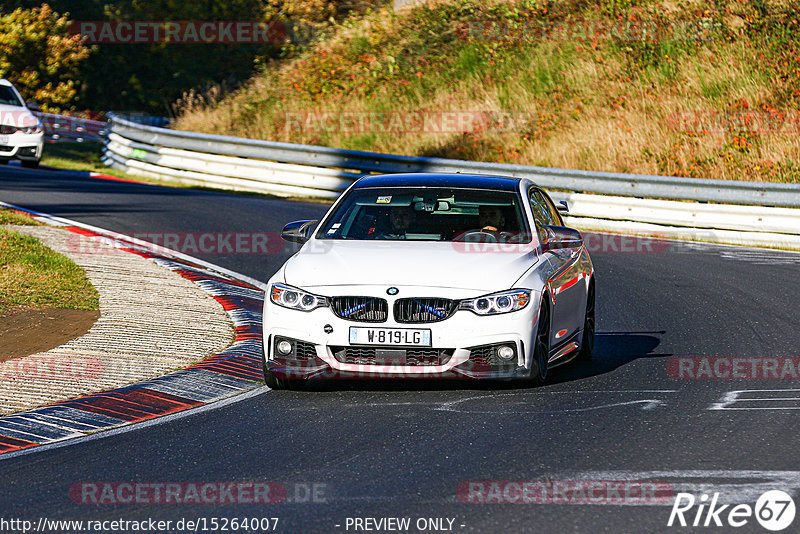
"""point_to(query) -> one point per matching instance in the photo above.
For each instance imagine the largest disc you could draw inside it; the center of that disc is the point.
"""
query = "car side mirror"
(563, 207)
(298, 231)
(32, 105)
(561, 237)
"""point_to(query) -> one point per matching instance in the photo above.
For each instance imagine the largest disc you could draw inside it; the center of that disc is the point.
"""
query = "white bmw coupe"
(431, 275)
(21, 133)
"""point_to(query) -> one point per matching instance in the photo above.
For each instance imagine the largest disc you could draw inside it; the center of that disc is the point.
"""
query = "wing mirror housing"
(33, 105)
(298, 231)
(563, 207)
(561, 237)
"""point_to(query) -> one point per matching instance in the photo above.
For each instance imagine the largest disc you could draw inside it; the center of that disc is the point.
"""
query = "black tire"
(270, 379)
(28, 164)
(541, 349)
(587, 342)
(3, 162)
(273, 382)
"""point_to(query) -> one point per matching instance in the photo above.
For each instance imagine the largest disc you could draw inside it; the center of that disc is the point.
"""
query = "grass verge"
(35, 276)
(84, 157)
(8, 216)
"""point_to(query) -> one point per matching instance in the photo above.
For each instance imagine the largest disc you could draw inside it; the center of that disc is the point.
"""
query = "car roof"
(426, 179)
(3, 81)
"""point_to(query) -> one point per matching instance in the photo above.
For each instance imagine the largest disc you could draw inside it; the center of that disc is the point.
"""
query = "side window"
(541, 213)
(553, 210)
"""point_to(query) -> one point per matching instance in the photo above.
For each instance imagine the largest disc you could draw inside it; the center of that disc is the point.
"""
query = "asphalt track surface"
(403, 449)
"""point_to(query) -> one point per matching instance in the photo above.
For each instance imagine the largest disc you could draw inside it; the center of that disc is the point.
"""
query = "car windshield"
(8, 97)
(428, 214)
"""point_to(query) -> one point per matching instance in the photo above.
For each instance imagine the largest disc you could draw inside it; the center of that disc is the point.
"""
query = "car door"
(564, 282)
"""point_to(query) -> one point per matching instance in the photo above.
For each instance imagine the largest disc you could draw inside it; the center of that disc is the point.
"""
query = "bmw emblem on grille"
(392, 291)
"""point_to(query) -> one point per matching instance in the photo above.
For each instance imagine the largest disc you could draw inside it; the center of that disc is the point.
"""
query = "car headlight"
(32, 129)
(496, 303)
(295, 299)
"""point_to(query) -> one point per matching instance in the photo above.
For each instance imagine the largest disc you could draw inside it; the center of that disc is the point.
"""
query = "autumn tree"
(40, 57)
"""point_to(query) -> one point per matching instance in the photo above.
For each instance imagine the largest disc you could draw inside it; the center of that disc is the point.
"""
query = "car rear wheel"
(541, 352)
(587, 343)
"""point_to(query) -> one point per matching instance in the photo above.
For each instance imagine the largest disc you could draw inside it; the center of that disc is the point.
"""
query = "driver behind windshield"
(491, 218)
(400, 219)
(427, 214)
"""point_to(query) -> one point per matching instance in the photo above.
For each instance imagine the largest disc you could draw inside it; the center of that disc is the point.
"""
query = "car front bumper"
(21, 146)
(467, 341)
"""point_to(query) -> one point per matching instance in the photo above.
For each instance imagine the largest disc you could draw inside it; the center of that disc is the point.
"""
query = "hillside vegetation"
(695, 88)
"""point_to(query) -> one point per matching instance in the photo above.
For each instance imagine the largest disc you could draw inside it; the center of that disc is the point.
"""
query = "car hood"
(17, 116)
(322, 263)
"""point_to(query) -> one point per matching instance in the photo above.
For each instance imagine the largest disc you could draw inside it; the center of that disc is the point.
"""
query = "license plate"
(401, 337)
(3, 139)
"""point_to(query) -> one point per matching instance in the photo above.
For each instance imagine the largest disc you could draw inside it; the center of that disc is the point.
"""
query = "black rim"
(589, 326)
(543, 341)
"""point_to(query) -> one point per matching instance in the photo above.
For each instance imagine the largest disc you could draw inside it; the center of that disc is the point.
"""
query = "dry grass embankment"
(695, 88)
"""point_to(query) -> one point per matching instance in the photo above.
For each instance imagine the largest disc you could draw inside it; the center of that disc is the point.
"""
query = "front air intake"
(423, 310)
(362, 309)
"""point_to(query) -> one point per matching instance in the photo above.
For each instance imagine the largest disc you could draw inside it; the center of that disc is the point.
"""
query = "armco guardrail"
(629, 185)
(64, 128)
(224, 171)
(713, 223)
(67, 128)
(302, 170)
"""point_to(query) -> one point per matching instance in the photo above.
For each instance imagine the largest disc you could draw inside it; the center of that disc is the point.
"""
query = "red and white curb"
(236, 370)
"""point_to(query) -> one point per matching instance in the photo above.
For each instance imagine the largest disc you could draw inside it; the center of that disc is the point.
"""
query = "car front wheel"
(541, 352)
(29, 164)
(587, 343)
(273, 382)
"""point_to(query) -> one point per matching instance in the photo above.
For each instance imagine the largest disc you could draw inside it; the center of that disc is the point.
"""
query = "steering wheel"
(478, 236)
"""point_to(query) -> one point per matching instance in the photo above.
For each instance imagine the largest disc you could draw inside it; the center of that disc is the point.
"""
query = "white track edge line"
(100, 433)
(129, 427)
(158, 249)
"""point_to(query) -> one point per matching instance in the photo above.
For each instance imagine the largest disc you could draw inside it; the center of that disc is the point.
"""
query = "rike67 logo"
(774, 510)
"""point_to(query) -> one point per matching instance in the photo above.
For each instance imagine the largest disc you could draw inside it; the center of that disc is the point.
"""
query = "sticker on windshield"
(384, 200)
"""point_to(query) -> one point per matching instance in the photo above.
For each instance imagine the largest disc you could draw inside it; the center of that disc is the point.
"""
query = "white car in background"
(431, 275)
(21, 132)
